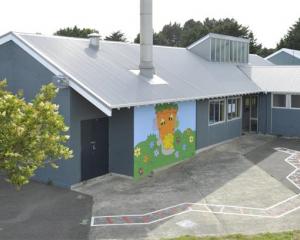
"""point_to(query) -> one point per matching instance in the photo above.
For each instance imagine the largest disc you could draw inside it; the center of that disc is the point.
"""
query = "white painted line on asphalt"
(189, 206)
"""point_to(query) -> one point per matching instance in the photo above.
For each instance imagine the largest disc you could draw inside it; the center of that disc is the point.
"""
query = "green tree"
(32, 134)
(292, 38)
(182, 36)
(192, 31)
(170, 35)
(75, 32)
(158, 39)
(117, 36)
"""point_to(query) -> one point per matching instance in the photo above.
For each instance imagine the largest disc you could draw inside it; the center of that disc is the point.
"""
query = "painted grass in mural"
(168, 146)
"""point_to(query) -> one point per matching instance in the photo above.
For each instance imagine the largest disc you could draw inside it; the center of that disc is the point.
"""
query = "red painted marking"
(174, 210)
(109, 220)
(126, 219)
(146, 219)
(159, 212)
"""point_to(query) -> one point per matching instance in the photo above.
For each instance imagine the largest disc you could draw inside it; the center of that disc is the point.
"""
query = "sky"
(268, 19)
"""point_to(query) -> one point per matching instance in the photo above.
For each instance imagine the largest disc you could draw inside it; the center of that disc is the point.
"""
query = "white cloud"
(268, 19)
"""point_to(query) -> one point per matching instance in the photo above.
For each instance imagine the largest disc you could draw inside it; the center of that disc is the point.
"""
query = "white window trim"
(217, 100)
(236, 118)
(287, 100)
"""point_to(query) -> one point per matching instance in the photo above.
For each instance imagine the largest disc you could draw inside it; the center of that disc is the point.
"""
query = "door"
(250, 113)
(94, 148)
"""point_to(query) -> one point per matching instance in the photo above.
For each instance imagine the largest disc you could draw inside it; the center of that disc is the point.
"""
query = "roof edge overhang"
(141, 104)
(57, 70)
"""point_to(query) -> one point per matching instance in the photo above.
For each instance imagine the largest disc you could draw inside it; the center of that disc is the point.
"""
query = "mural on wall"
(163, 134)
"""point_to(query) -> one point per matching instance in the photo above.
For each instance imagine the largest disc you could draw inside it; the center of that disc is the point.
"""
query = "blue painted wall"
(121, 141)
(264, 113)
(286, 122)
(209, 135)
(277, 121)
(24, 72)
(284, 58)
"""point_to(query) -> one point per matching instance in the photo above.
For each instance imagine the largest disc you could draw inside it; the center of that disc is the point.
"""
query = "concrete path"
(237, 187)
(278, 210)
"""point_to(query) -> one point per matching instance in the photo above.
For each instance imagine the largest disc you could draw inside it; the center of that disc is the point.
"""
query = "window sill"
(280, 107)
(233, 119)
(214, 124)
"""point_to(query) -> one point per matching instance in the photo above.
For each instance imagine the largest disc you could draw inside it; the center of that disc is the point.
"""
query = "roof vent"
(94, 40)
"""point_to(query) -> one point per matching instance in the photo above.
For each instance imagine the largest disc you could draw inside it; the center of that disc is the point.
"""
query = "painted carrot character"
(166, 121)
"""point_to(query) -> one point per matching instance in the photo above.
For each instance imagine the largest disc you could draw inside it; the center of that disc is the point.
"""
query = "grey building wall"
(6, 61)
(209, 135)
(24, 73)
(286, 122)
(264, 113)
(284, 58)
(278, 121)
(80, 109)
(120, 135)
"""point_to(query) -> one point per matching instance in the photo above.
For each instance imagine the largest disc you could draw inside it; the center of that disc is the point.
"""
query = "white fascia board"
(186, 99)
(227, 37)
(52, 67)
(198, 42)
(275, 53)
(218, 36)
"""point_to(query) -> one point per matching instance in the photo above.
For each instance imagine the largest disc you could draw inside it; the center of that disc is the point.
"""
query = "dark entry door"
(94, 148)
(250, 113)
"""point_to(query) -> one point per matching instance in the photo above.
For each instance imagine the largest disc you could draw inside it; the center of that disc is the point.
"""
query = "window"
(225, 50)
(216, 111)
(213, 49)
(279, 100)
(295, 101)
(233, 108)
(218, 50)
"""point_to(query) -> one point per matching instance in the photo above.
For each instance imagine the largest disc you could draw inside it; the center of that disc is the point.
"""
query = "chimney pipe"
(94, 40)
(146, 39)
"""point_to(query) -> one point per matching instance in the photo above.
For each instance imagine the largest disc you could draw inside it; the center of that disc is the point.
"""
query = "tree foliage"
(173, 34)
(117, 36)
(75, 32)
(292, 38)
(32, 134)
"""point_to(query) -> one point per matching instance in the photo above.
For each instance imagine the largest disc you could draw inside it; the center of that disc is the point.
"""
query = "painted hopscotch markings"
(276, 211)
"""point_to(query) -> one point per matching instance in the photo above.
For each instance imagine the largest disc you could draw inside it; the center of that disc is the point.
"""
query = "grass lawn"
(268, 236)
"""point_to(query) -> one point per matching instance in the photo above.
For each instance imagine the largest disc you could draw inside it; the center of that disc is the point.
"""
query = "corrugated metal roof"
(275, 78)
(107, 72)
(255, 60)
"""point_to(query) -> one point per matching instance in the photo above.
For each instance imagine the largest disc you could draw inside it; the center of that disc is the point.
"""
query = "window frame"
(287, 101)
(290, 96)
(224, 111)
(240, 108)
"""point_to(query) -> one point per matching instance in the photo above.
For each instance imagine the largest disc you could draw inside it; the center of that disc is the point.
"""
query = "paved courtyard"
(249, 185)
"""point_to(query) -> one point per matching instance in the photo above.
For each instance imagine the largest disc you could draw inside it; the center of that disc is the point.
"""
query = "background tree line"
(177, 35)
